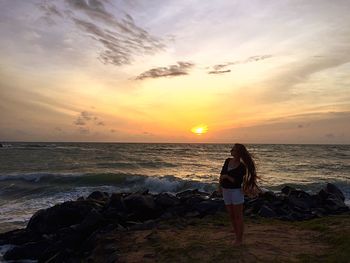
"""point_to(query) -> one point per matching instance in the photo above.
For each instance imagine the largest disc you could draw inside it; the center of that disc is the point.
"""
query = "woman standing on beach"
(238, 170)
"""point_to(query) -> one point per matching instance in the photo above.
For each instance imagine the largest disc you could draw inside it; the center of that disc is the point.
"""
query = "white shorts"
(233, 196)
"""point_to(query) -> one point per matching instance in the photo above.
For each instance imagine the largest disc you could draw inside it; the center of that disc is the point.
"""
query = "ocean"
(39, 175)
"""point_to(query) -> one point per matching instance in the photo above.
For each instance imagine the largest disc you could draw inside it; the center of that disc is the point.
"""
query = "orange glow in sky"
(253, 71)
(199, 130)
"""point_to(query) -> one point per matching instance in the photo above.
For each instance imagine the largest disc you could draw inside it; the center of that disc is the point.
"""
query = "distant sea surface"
(38, 175)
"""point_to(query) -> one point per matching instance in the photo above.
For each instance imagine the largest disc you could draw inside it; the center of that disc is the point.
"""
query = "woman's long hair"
(250, 184)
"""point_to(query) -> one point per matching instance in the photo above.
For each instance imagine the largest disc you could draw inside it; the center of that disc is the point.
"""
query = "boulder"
(323, 195)
(287, 190)
(18, 237)
(116, 201)
(209, 207)
(98, 195)
(303, 202)
(92, 220)
(142, 207)
(165, 200)
(332, 189)
(266, 211)
(66, 255)
(216, 194)
(268, 196)
(335, 205)
(31, 250)
(61, 215)
(254, 205)
(191, 201)
(189, 193)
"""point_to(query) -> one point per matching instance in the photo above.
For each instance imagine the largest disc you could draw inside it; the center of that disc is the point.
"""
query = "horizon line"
(136, 142)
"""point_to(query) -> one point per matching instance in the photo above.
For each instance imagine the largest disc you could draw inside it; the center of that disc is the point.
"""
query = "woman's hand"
(225, 176)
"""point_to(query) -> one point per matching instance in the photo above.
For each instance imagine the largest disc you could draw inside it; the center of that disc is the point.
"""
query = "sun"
(199, 130)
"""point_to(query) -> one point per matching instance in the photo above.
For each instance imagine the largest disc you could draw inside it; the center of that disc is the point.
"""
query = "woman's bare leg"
(230, 211)
(239, 225)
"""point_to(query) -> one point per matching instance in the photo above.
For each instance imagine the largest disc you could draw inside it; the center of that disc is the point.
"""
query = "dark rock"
(167, 215)
(305, 202)
(209, 207)
(332, 189)
(31, 250)
(69, 237)
(149, 224)
(91, 221)
(115, 215)
(189, 193)
(177, 210)
(255, 204)
(61, 215)
(282, 212)
(65, 255)
(268, 196)
(116, 201)
(98, 195)
(138, 201)
(142, 192)
(192, 214)
(191, 201)
(18, 237)
(323, 194)
(287, 190)
(335, 205)
(215, 194)
(248, 211)
(113, 258)
(266, 211)
(143, 207)
(165, 200)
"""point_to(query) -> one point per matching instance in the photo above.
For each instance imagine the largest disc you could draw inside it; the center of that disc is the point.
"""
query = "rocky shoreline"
(68, 232)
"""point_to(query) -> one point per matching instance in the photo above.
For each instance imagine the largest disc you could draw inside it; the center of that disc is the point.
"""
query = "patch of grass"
(334, 230)
(195, 240)
(192, 247)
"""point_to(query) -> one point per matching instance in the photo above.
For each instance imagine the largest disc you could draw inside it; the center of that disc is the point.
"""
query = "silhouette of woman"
(238, 170)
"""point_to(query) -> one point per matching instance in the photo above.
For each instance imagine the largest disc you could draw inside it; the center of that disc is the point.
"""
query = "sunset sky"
(158, 71)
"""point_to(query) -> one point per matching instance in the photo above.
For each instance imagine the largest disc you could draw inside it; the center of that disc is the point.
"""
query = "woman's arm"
(225, 176)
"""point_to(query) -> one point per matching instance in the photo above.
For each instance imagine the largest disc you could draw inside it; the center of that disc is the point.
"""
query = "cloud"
(181, 68)
(120, 37)
(86, 117)
(93, 8)
(316, 129)
(79, 121)
(222, 68)
(280, 87)
(50, 11)
(219, 71)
